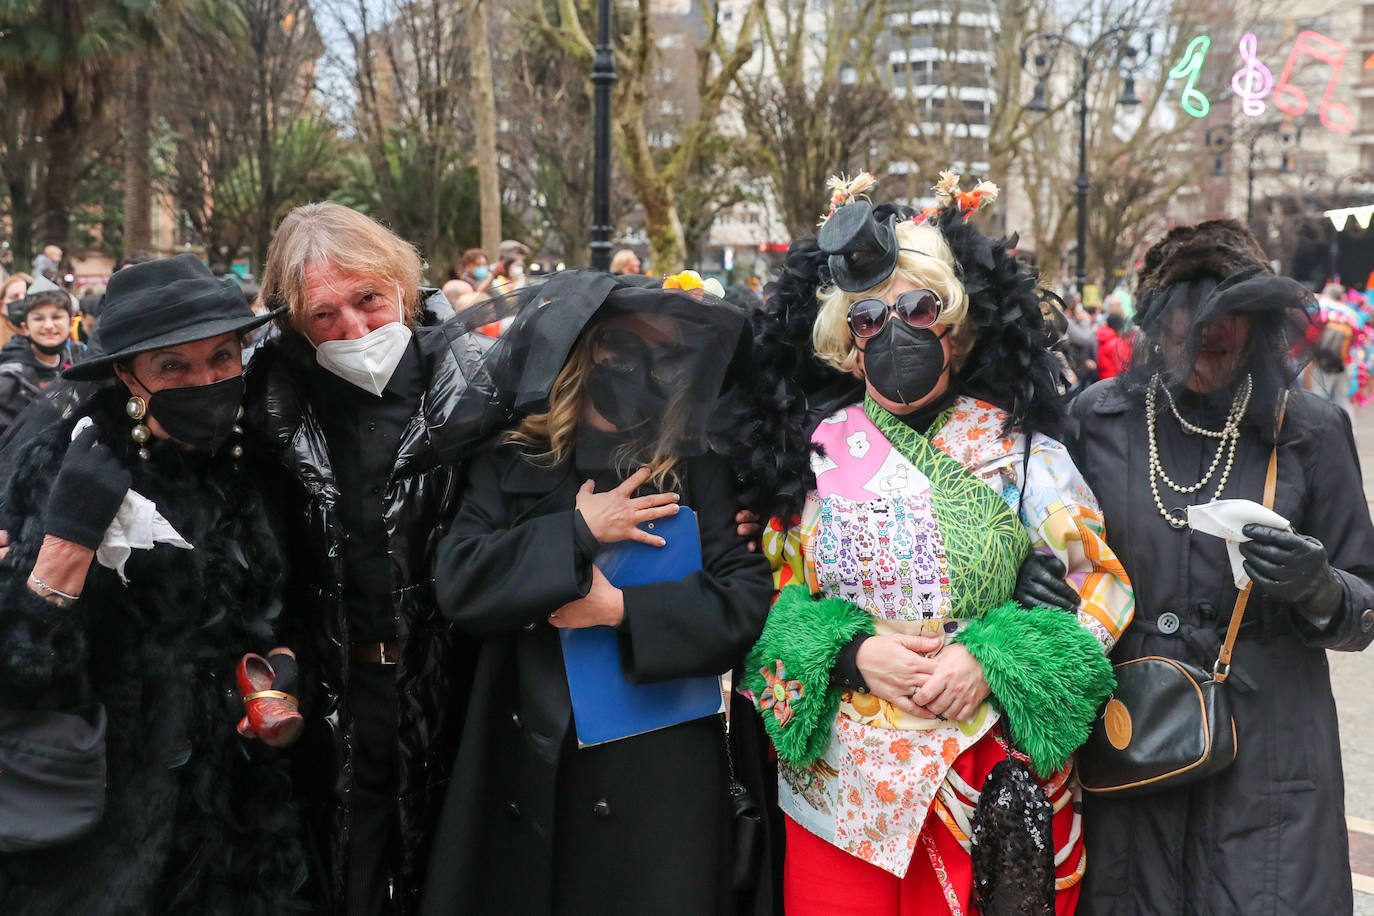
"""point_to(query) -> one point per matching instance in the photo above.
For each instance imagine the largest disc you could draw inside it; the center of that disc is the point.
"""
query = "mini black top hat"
(863, 251)
(165, 303)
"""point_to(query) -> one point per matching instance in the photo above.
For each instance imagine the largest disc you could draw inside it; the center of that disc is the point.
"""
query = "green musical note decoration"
(1194, 101)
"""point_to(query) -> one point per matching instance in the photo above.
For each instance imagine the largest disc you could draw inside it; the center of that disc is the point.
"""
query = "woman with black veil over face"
(1194, 419)
(617, 380)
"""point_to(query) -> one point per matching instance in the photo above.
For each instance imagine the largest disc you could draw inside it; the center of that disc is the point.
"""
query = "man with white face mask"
(352, 409)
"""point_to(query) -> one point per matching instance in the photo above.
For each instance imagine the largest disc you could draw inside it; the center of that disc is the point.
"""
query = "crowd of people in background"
(290, 565)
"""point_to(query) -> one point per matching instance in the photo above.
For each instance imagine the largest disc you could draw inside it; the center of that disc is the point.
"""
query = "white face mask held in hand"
(370, 360)
(1224, 518)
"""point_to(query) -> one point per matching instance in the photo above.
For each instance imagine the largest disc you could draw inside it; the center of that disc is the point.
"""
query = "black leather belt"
(376, 653)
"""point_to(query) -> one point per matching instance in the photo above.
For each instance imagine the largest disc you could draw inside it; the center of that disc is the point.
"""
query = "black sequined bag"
(1012, 844)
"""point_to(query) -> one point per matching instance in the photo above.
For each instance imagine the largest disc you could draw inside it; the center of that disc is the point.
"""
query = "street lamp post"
(1224, 140)
(603, 78)
(1040, 63)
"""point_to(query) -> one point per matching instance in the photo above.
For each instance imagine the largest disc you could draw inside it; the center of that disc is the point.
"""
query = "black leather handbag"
(1168, 723)
(52, 776)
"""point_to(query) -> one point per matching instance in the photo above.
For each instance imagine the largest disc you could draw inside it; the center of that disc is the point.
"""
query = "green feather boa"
(805, 634)
(1048, 675)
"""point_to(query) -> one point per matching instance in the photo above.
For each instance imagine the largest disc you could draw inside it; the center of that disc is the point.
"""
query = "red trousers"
(822, 880)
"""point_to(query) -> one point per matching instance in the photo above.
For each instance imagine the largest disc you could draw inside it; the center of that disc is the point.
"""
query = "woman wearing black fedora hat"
(142, 565)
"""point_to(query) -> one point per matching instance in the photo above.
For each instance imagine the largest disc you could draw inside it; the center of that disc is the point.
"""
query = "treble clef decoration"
(1193, 100)
(1253, 81)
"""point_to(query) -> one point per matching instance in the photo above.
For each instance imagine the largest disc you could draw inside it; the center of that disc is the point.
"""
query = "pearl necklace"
(1228, 436)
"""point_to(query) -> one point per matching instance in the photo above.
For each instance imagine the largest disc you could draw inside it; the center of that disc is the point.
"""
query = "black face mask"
(46, 349)
(904, 364)
(199, 415)
(627, 399)
(635, 381)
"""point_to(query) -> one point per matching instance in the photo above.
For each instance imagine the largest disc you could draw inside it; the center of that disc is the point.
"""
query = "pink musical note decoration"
(1293, 101)
(1253, 81)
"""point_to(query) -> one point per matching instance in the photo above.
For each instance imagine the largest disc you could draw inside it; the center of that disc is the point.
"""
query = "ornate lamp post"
(1038, 56)
(603, 78)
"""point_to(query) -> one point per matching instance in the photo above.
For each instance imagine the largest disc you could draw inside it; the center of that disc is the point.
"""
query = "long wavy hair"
(549, 438)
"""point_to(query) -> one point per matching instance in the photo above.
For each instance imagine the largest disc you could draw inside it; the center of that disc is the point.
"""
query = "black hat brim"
(102, 366)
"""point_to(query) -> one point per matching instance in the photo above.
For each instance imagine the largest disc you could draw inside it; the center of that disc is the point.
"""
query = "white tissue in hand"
(1225, 518)
(136, 526)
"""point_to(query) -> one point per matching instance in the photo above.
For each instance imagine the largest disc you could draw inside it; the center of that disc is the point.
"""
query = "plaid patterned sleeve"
(1063, 519)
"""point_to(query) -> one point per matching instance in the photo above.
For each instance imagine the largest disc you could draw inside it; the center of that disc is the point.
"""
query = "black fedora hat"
(165, 303)
(862, 251)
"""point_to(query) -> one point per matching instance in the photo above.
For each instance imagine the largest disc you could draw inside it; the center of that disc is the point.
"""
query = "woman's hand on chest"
(603, 606)
(616, 515)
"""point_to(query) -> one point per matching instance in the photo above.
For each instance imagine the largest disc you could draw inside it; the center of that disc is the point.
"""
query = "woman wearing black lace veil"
(616, 379)
(1193, 420)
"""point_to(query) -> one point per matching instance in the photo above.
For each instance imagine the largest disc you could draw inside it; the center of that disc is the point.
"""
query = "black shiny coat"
(1267, 835)
(197, 820)
(420, 497)
(532, 823)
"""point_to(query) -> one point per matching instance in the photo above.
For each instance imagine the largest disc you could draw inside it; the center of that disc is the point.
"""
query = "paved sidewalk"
(1352, 678)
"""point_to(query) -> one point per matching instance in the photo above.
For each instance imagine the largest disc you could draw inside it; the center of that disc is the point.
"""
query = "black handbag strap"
(1222, 669)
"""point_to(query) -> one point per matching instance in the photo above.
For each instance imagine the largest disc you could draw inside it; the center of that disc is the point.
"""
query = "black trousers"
(373, 826)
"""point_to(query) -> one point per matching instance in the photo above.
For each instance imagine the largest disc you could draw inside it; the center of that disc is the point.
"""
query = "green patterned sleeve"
(1048, 676)
(787, 673)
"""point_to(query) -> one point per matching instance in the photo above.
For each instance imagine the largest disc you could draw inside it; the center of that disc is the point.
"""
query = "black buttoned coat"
(1267, 835)
(532, 824)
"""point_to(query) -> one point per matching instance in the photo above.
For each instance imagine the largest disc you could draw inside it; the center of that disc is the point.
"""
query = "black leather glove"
(1041, 583)
(87, 492)
(1291, 567)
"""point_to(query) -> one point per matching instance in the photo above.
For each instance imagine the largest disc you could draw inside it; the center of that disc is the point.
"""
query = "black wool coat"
(197, 819)
(1267, 836)
(532, 824)
(419, 498)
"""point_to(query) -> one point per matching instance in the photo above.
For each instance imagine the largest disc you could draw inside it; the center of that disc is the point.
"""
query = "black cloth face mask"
(199, 415)
(635, 383)
(48, 350)
(904, 364)
(627, 399)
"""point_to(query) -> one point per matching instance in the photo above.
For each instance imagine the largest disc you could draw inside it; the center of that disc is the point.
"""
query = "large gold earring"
(237, 450)
(137, 408)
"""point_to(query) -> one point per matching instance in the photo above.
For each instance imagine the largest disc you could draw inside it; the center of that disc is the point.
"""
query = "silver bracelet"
(44, 589)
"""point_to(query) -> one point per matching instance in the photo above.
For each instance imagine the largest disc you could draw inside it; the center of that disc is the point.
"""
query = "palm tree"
(59, 60)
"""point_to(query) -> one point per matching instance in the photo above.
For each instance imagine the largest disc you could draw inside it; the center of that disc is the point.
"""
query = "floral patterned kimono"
(924, 534)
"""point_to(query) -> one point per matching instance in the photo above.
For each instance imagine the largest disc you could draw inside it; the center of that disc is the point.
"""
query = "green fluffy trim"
(805, 635)
(1048, 674)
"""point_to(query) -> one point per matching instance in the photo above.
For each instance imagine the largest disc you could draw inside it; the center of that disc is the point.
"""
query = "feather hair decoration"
(947, 187)
(846, 190)
(948, 194)
(983, 193)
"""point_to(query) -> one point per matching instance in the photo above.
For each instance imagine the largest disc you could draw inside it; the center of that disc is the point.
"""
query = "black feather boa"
(1010, 364)
(197, 819)
(791, 390)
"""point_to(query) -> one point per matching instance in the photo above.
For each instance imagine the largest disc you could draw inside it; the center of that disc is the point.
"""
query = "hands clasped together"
(612, 516)
(919, 677)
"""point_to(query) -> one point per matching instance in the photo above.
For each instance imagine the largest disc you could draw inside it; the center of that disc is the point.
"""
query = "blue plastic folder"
(606, 706)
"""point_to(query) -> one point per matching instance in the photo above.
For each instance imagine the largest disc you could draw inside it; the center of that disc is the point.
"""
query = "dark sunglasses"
(918, 308)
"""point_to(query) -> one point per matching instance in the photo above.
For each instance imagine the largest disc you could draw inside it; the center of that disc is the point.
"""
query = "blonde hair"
(550, 437)
(925, 260)
(348, 241)
(621, 262)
